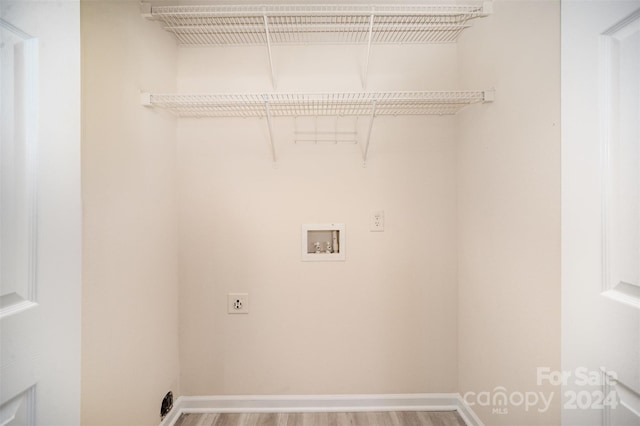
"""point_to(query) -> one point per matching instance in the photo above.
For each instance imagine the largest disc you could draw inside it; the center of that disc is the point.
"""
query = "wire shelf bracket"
(366, 146)
(365, 68)
(340, 104)
(271, 140)
(274, 25)
(266, 34)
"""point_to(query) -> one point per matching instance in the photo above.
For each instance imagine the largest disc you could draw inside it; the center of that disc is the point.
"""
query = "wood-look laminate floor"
(391, 418)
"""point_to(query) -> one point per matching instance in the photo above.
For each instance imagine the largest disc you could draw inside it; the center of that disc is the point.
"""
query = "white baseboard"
(322, 403)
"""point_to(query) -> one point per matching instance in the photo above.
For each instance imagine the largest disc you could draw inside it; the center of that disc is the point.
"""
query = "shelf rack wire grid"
(299, 24)
(316, 104)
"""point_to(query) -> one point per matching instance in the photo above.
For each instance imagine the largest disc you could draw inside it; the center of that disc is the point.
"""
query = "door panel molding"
(21, 291)
(20, 357)
(620, 153)
(21, 409)
(620, 148)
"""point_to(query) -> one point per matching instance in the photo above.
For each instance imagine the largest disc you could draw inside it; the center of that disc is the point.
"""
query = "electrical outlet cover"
(376, 221)
(238, 303)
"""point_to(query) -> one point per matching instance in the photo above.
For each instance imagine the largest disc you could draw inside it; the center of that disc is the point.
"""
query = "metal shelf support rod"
(268, 38)
(365, 70)
(366, 147)
(268, 114)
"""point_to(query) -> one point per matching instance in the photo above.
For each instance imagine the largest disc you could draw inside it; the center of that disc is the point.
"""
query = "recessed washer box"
(323, 242)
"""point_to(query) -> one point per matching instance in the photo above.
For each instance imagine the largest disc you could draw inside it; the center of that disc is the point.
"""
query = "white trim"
(16, 308)
(174, 414)
(31, 110)
(10, 408)
(321, 403)
(31, 402)
(466, 412)
(626, 293)
(26, 63)
(611, 286)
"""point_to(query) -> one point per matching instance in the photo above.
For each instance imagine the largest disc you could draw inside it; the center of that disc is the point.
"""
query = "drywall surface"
(382, 321)
(508, 171)
(130, 282)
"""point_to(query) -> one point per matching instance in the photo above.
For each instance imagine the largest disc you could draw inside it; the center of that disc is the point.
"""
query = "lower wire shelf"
(270, 105)
(317, 104)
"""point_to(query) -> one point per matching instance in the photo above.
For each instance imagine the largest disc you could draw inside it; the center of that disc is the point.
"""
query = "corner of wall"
(508, 173)
(130, 274)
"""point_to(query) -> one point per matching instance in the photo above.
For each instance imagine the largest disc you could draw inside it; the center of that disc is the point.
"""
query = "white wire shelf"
(317, 104)
(269, 25)
(271, 105)
(315, 23)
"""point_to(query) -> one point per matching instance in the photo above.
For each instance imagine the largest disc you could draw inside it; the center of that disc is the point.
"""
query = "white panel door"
(619, 134)
(20, 316)
(601, 212)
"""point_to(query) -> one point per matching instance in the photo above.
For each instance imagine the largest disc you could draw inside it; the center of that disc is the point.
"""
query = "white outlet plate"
(376, 221)
(238, 303)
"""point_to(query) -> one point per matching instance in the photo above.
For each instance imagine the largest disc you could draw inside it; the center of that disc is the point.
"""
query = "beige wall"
(130, 282)
(460, 293)
(383, 321)
(508, 164)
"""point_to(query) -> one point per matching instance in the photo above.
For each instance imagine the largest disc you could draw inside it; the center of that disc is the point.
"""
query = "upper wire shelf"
(315, 23)
(317, 104)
